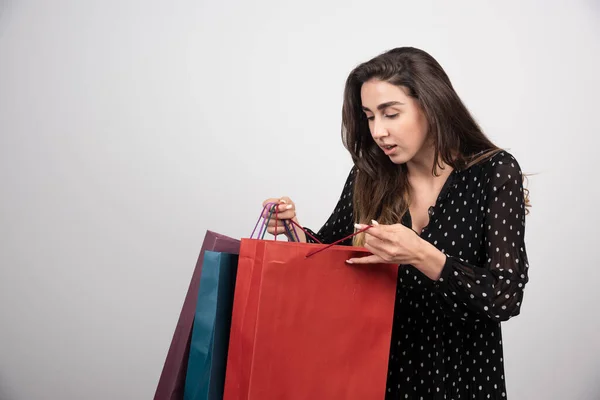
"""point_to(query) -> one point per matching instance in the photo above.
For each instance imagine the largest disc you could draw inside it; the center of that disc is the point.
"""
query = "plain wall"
(128, 128)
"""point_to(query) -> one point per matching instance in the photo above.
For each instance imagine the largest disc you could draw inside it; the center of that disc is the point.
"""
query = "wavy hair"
(381, 188)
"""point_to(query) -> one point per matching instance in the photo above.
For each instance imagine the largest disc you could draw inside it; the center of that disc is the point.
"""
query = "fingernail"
(288, 207)
(358, 226)
(374, 222)
(282, 201)
(349, 262)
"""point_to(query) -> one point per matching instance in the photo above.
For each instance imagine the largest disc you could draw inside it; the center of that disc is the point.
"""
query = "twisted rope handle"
(274, 210)
(312, 253)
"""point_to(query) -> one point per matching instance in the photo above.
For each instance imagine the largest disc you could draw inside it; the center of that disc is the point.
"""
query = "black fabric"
(447, 340)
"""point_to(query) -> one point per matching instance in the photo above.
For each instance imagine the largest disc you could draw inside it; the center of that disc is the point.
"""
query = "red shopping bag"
(309, 327)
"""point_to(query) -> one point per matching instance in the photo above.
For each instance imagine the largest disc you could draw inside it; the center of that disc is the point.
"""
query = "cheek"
(423, 125)
(414, 131)
(420, 129)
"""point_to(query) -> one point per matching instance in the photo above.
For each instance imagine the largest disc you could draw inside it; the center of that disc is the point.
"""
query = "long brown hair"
(381, 188)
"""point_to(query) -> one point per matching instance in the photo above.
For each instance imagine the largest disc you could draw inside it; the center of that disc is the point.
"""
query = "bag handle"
(265, 221)
(312, 253)
(274, 209)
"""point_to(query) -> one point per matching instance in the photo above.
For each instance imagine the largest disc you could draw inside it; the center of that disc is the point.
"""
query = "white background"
(128, 128)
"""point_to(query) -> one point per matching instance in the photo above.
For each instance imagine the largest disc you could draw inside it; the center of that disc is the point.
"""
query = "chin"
(399, 159)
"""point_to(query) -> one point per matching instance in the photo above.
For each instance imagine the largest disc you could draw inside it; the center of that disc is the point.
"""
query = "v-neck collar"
(449, 184)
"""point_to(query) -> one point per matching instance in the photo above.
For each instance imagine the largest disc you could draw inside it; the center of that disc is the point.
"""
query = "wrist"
(297, 232)
(429, 260)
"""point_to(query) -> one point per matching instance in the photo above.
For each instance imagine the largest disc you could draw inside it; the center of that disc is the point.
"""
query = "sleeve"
(341, 221)
(493, 290)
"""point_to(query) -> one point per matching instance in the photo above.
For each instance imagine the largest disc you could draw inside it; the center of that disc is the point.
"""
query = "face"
(396, 121)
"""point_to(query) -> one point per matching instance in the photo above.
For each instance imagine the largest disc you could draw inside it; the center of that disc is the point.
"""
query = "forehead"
(375, 92)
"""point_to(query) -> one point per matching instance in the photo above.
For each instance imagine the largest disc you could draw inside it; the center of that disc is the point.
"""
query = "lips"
(388, 149)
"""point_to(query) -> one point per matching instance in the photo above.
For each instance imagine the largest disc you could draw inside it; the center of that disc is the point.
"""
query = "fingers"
(281, 200)
(279, 213)
(285, 208)
(279, 222)
(372, 259)
(376, 230)
(267, 206)
(279, 231)
(376, 247)
(286, 200)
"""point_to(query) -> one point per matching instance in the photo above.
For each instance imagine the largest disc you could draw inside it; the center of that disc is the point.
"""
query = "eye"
(371, 118)
(391, 116)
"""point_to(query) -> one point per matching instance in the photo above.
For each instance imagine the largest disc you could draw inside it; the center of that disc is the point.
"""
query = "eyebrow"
(385, 105)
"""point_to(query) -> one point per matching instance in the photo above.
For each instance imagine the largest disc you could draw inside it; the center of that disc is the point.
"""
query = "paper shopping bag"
(172, 380)
(309, 327)
(205, 376)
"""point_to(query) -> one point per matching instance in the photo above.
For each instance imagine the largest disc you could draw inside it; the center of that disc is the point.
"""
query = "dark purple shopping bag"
(172, 379)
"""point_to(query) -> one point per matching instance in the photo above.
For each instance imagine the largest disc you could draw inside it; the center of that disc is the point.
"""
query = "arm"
(494, 289)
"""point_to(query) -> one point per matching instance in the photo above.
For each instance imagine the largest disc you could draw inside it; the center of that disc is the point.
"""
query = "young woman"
(448, 207)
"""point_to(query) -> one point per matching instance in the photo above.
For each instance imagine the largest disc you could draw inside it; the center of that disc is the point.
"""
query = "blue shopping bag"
(205, 377)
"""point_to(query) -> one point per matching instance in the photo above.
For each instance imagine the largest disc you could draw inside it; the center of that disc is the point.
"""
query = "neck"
(420, 167)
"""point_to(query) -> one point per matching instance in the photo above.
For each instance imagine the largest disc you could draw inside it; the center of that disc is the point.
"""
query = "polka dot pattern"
(447, 339)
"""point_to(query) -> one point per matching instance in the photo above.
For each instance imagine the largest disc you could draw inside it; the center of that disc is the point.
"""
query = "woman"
(445, 204)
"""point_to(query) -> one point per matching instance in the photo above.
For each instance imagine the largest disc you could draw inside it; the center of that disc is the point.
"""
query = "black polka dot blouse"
(446, 336)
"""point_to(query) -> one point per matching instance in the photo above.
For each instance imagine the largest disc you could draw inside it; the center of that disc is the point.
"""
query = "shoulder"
(501, 166)
(502, 177)
(350, 179)
(500, 162)
(352, 175)
(505, 158)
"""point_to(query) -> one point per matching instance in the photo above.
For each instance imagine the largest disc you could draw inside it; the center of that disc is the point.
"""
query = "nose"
(379, 129)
